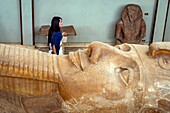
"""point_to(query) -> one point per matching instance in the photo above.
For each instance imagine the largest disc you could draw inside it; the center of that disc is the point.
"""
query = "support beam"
(26, 8)
(160, 20)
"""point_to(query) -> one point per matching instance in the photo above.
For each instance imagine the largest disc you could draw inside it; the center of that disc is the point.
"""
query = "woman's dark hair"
(54, 27)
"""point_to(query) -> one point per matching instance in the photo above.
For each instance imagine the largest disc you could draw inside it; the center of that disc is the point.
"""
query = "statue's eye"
(124, 47)
(125, 75)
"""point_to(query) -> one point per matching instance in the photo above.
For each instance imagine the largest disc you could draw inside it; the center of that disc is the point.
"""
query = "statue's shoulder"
(120, 22)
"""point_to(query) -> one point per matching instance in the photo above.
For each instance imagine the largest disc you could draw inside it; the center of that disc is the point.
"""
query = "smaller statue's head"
(132, 12)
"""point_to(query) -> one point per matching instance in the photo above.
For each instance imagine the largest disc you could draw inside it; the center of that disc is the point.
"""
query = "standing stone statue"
(127, 78)
(131, 28)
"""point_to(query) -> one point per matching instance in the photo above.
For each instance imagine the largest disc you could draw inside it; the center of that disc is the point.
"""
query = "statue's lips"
(79, 59)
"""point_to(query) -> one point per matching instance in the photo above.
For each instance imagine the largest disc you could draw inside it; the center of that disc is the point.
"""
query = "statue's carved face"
(101, 70)
(131, 13)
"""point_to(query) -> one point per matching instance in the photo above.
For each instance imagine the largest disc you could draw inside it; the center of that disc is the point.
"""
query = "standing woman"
(55, 35)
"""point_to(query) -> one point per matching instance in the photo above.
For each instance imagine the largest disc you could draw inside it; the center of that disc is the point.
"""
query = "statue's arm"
(142, 29)
(118, 31)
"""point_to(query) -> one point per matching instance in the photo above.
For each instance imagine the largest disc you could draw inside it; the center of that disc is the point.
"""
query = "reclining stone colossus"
(126, 78)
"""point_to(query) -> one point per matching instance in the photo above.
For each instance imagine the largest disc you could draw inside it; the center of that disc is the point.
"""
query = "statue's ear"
(126, 75)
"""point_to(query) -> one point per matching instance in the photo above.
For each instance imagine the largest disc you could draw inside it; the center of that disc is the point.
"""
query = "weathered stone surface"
(127, 78)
